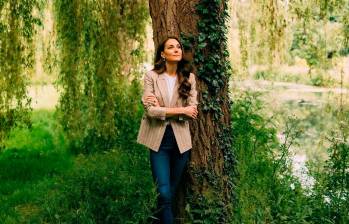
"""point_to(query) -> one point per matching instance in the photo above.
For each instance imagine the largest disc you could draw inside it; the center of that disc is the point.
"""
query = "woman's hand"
(151, 99)
(190, 111)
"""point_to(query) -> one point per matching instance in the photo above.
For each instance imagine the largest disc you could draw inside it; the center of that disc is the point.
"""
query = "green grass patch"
(32, 158)
(110, 187)
(42, 182)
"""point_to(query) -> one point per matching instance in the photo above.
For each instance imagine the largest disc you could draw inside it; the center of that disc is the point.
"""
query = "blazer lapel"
(162, 85)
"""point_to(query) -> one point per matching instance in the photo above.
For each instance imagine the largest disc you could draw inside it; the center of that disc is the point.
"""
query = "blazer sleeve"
(150, 110)
(193, 94)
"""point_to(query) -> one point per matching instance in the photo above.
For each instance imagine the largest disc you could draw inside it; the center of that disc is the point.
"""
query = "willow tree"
(97, 40)
(263, 33)
(202, 29)
(16, 59)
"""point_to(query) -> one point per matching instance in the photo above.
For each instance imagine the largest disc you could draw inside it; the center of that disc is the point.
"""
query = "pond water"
(312, 110)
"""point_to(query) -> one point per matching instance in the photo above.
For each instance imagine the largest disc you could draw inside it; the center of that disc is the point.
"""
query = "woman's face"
(172, 51)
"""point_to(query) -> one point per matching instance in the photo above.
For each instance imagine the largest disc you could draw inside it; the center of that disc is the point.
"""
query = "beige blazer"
(154, 120)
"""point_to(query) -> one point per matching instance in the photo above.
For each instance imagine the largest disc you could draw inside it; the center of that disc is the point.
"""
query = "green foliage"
(337, 181)
(16, 58)
(114, 187)
(35, 148)
(41, 184)
(31, 158)
(273, 22)
(208, 209)
(213, 66)
(243, 44)
(262, 32)
(266, 190)
(128, 116)
(310, 40)
(98, 41)
(314, 30)
(43, 135)
(277, 76)
(213, 69)
(331, 190)
(311, 46)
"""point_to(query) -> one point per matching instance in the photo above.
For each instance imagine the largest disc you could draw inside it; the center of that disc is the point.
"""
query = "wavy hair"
(184, 68)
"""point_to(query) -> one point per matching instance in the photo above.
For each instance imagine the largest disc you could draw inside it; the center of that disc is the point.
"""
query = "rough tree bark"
(171, 18)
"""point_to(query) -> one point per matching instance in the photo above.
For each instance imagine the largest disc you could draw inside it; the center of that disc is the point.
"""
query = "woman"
(169, 99)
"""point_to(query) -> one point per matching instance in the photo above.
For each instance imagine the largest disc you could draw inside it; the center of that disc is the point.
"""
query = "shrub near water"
(266, 190)
(330, 196)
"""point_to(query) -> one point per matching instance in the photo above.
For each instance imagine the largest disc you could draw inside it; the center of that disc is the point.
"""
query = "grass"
(110, 187)
(32, 158)
(41, 182)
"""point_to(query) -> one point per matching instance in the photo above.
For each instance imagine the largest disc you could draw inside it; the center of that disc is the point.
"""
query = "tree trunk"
(205, 184)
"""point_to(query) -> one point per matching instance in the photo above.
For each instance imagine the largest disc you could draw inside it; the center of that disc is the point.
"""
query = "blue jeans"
(167, 166)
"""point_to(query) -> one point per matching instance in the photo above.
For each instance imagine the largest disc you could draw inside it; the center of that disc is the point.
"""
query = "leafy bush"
(330, 196)
(266, 190)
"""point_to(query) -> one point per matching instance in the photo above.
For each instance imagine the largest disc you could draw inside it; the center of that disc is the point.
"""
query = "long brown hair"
(184, 67)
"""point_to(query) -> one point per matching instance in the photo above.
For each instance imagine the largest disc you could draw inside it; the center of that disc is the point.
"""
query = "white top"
(171, 81)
